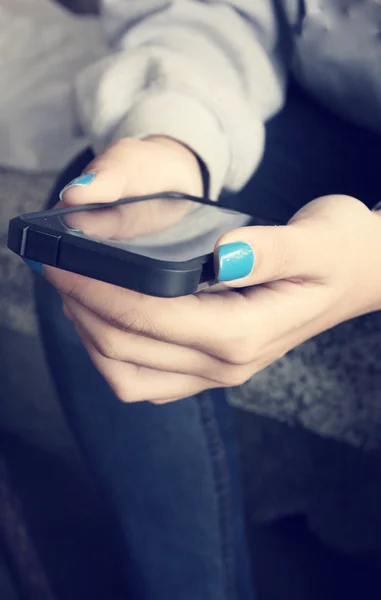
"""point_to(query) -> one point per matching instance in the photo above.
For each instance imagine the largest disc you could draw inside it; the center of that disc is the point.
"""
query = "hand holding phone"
(146, 246)
(145, 347)
(134, 168)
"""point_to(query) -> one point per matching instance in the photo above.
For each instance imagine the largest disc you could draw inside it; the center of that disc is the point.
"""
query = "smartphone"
(169, 264)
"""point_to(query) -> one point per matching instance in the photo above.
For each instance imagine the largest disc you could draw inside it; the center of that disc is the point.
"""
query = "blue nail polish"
(82, 180)
(235, 261)
(36, 267)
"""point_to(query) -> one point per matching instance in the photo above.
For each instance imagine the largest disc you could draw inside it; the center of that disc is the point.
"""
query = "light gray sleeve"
(206, 72)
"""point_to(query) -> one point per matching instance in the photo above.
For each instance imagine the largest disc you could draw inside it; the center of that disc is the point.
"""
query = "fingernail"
(71, 230)
(82, 180)
(66, 226)
(35, 266)
(235, 261)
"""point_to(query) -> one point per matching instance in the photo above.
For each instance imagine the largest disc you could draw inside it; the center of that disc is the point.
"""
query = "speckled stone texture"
(330, 384)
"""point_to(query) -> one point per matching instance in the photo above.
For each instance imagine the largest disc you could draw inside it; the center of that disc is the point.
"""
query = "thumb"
(254, 255)
(131, 168)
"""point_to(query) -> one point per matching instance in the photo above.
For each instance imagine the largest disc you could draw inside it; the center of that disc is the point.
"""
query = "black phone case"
(109, 264)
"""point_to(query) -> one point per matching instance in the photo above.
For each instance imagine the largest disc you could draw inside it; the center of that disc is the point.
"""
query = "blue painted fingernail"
(35, 266)
(82, 180)
(235, 261)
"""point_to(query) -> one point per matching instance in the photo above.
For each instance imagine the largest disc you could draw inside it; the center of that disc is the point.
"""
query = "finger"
(66, 310)
(128, 168)
(254, 255)
(205, 322)
(132, 383)
(143, 351)
(306, 249)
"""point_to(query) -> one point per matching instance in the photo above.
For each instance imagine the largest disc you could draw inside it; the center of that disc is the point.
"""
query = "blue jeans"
(172, 472)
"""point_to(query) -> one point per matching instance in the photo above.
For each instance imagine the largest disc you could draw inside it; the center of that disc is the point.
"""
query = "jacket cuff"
(185, 119)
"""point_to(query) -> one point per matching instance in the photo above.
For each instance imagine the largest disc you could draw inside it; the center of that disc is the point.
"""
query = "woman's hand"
(321, 269)
(134, 168)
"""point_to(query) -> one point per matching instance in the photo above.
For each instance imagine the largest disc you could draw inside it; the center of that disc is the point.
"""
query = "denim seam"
(223, 492)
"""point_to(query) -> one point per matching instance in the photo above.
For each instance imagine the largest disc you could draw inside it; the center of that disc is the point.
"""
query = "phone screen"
(173, 230)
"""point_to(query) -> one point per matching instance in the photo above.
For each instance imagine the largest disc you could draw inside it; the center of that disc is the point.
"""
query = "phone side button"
(42, 247)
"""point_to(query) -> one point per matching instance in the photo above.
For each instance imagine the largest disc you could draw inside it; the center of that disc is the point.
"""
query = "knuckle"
(232, 376)
(78, 288)
(239, 376)
(126, 386)
(161, 401)
(107, 347)
(68, 284)
(130, 320)
(124, 392)
(239, 353)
